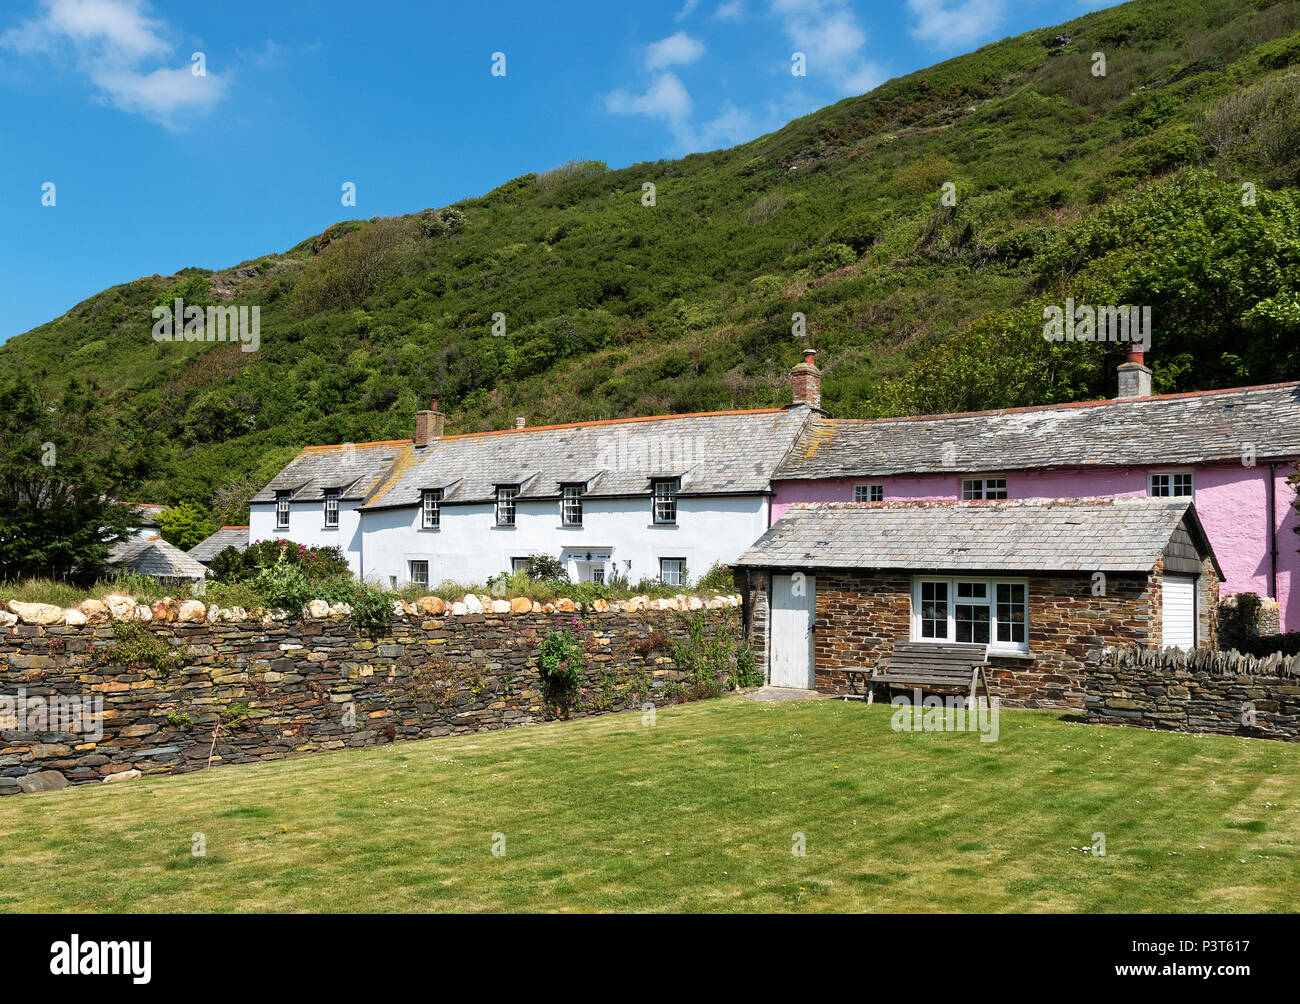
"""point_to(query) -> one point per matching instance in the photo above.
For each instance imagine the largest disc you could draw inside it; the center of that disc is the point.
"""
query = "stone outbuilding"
(833, 586)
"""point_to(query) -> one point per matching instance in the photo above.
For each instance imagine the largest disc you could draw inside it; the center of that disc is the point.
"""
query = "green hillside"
(1115, 189)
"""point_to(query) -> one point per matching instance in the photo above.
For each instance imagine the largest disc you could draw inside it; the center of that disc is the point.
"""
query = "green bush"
(316, 563)
(717, 579)
(372, 608)
(831, 257)
(562, 659)
(767, 286)
(283, 585)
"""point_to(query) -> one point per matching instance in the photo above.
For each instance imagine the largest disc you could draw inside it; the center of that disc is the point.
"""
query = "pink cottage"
(1232, 450)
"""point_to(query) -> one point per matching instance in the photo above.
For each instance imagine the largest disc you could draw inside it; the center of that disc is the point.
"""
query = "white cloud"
(674, 50)
(730, 11)
(733, 125)
(945, 24)
(113, 43)
(828, 34)
(686, 10)
(667, 99)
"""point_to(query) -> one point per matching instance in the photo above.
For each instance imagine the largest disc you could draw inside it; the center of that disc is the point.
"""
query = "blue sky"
(156, 166)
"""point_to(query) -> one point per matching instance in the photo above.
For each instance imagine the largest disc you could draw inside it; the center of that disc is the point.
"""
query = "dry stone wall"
(117, 687)
(1200, 691)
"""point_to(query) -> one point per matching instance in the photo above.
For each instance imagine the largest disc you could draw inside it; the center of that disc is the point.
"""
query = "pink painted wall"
(1231, 500)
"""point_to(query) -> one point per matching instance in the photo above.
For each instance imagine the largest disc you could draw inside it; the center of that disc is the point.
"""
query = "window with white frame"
(868, 493)
(993, 612)
(282, 510)
(672, 571)
(984, 488)
(332, 506)
(431, 508)
(419, 572)
(571, 505)
(665, 500)
(1174, 483)
(506, 504)
(520, 565)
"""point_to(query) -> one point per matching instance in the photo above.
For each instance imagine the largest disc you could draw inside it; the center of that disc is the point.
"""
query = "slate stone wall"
(861, 614)
(278, 688)
(1201, 691)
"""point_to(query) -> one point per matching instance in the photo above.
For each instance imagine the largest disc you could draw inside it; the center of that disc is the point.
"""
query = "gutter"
(1272, 529)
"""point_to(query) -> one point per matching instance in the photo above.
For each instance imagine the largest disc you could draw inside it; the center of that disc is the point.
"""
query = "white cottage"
(661, 497)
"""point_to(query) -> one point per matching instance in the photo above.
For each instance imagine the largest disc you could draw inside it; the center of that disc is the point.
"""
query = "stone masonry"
(283, 686)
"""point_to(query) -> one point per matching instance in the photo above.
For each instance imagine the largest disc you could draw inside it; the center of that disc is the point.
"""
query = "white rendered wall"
(469, 547)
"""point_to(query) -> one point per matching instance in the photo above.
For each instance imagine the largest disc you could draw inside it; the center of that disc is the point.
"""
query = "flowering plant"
(562, 657)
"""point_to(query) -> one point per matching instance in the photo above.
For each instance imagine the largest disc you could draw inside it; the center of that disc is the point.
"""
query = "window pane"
(670, 571)
(972, 622)
(995, 488)
(1011, 609)
(934, 610)
(972, 489)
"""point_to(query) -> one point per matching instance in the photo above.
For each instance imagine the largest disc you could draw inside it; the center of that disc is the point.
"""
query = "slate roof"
(1022, 535)
(228, 536)
(1165, 429)
(714, 453)
(154, 556)
(355, 468)
(148, 512)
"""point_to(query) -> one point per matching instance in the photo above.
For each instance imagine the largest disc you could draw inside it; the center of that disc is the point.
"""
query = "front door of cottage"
(794, 597)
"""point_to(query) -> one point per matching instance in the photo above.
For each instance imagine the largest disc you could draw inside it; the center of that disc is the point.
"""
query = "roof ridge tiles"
(1025, 409)
(514, 430)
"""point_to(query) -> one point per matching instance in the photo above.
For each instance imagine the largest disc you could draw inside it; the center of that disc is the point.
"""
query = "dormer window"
(431, 508)
(332, 506)
(664, 494)
(506, 504)
(282, 510)
(868, 493)
(571, 505)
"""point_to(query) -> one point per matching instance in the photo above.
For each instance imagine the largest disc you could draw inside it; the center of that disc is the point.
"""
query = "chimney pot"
(520, 422)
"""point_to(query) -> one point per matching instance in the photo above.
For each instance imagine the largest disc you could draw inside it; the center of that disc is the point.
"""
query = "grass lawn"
(696, 813)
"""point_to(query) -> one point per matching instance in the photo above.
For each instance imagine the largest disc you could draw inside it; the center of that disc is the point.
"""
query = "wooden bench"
(931, 666)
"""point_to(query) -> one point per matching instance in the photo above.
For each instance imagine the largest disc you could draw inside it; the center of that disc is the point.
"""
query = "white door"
(1179, 628)
(793, 600)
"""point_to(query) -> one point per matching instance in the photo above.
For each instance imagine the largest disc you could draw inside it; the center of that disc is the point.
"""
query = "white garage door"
(1180, 611)
(794, 598)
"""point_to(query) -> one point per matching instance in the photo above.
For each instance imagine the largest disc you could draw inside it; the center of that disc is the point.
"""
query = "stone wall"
(1201, 691)
(282, 686)
(861, 614)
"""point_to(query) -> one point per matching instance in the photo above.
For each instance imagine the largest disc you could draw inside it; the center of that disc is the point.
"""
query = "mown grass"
(696, 812)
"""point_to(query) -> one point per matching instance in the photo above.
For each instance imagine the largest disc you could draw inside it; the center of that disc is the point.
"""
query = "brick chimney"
(1134, 374)
(808, 381)
(428, 424)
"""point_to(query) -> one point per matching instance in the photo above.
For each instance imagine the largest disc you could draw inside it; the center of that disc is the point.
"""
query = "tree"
(185, 525)
(61, 465)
